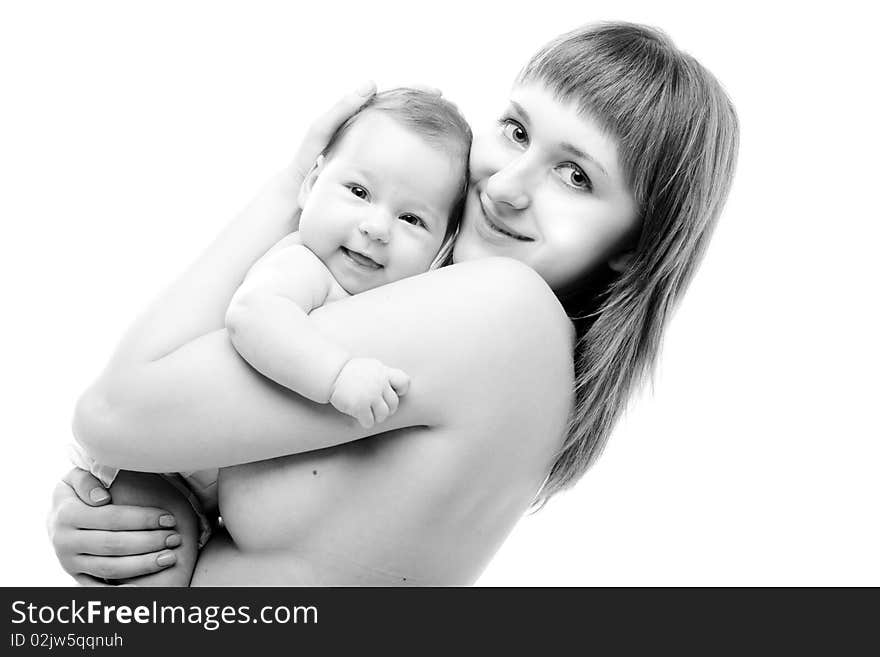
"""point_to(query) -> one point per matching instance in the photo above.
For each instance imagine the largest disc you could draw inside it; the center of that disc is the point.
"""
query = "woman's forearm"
(197, 407)
(192, 307)
(203, 406)
(195, 305)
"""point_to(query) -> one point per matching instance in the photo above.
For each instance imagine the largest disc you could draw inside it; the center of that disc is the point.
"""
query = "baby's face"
(376, 209)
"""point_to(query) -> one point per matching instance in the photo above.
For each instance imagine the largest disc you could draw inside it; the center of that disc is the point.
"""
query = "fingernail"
(166, 559)
(98, 494)
(166, 521)
(366, 88)
(173, 540)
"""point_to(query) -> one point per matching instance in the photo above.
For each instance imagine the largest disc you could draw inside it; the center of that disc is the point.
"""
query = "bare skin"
(428, 496)
(142, 488)
(429, 502)
(420, 505)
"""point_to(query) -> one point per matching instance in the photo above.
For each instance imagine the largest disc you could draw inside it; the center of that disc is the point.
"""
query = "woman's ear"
(309, 181)
(621, 262)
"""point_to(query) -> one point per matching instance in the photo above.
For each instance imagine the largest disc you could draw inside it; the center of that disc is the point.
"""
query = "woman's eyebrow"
(519, 110)
(578, 153)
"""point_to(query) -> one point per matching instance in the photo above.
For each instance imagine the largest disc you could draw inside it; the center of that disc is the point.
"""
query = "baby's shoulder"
(293, 239)
(336, 291)
(290, 254)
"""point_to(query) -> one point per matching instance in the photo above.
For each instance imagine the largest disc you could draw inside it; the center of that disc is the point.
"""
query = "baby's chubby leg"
(147, 489)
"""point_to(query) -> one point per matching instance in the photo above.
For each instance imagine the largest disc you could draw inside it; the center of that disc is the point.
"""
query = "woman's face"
(547, 190)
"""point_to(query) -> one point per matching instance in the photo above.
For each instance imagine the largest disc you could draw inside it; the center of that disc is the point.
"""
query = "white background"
(131, 132)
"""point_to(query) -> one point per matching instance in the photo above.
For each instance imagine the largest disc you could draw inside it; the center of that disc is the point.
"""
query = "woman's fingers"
(123, 567)
(115, 517)
(323, 129)
(62, 494)
(424, 88)
(85, 537)
(399, 380)
(87, 487)
(102, 543)
(89, 581)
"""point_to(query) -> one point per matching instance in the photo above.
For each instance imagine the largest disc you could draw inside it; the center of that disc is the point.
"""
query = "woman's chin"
(462, 252)
(469, 246)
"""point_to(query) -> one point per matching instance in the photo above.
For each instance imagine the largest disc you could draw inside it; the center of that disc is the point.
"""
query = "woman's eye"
(412, 219)
(514, 131)
(359, 191)
(573, 176)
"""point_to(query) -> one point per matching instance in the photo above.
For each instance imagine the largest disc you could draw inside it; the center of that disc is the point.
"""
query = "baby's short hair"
(430, 116)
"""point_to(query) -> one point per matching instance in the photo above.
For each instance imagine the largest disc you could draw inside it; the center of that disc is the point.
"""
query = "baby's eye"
(514, 131)
(413, 220)
(573, 176)
(359, 191)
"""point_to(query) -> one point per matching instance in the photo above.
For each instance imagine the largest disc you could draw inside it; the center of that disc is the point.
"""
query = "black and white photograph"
(393, 294)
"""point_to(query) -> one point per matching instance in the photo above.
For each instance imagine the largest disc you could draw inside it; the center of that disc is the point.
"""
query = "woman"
(602, 183)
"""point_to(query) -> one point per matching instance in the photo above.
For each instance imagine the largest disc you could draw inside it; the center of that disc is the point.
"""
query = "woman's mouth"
(497, 226)
(360, 259)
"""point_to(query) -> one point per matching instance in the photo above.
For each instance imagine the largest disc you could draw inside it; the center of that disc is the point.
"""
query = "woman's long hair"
(678, 137)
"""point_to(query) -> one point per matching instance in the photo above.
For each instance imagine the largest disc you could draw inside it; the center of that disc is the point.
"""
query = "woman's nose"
(509, 186)
(377, 226)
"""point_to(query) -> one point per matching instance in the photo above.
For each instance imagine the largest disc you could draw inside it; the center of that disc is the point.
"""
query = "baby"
(377, 206)
(381, 203)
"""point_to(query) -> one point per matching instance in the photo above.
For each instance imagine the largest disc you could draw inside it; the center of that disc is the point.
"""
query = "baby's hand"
(368, 391)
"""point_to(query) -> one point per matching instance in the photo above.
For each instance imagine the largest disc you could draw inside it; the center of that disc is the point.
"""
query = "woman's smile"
(494, 223)
(529, 198)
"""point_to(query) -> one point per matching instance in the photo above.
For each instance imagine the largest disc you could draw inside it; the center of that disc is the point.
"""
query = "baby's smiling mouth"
(361, 259)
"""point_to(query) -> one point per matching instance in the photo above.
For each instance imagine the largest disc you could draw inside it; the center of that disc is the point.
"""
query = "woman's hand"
(320, 132)
(95, 540)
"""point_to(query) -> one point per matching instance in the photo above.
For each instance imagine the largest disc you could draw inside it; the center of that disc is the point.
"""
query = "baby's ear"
(309, 181)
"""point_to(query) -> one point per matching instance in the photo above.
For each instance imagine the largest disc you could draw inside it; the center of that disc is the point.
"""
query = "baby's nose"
(377, 226)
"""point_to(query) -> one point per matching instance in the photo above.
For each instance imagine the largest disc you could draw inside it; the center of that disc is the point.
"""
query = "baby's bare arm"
(268, 322)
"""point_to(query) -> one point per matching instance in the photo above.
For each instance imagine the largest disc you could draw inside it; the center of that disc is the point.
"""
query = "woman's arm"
(195, 304)
(457, 332)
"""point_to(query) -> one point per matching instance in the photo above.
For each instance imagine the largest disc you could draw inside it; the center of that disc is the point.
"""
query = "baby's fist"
(368, 391)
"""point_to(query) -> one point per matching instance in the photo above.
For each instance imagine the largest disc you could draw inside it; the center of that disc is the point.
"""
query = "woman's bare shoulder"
(473, 304)
(505, 290)
(506, 282)
(519, 326)
(490, 328)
